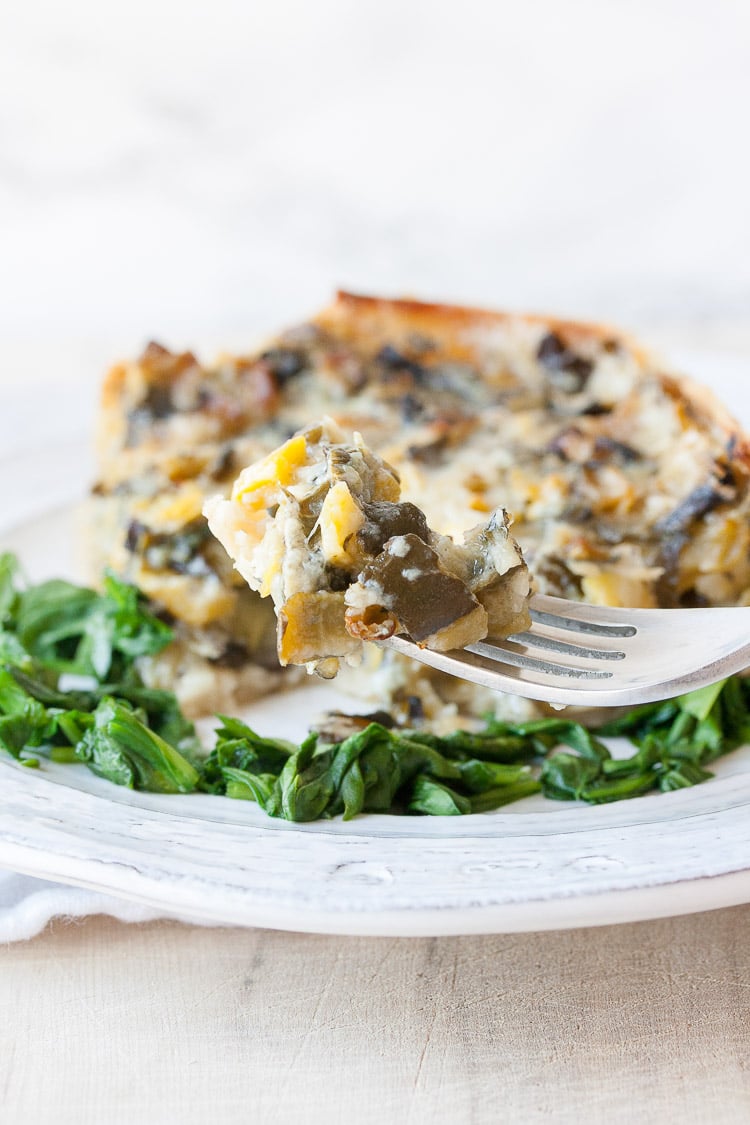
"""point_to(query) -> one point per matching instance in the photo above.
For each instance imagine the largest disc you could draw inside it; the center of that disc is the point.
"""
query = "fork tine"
(578, 624)
(499, 653)
(527, 676)
(540, 640)
(652, 653)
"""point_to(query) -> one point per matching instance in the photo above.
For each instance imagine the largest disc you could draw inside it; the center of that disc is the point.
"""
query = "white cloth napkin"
(27, 905)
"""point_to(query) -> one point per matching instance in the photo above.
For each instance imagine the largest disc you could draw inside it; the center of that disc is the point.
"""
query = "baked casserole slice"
(628, 484)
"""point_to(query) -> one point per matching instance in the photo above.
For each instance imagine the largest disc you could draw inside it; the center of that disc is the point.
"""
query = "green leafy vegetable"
(433, 799)
(73, 629)
(120, 747)
(8, 591)
(70, 692)
(239, 748)
(24, 722)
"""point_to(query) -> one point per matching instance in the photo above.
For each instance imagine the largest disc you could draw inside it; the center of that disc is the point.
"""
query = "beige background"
(171, 1025)
(198, 171)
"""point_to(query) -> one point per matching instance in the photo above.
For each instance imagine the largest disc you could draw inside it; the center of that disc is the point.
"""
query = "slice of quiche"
(318, 525)
(628, 484)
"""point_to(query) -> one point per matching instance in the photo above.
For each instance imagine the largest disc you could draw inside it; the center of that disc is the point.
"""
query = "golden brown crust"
(386, 315)
(436, 316)
(358, 315)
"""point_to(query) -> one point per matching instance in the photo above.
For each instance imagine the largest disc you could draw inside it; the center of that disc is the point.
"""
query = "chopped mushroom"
(406, 590)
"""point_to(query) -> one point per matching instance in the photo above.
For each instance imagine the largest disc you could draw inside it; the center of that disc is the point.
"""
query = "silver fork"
(601, 657)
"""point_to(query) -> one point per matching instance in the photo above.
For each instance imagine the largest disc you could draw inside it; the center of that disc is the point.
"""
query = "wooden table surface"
(162, 1023)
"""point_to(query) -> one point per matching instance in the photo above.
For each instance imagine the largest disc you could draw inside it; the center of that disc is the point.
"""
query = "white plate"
(537, 865)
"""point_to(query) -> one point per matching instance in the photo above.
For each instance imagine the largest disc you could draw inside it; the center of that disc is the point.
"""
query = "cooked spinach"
(70, 691)
(73, 629)
(118, 745)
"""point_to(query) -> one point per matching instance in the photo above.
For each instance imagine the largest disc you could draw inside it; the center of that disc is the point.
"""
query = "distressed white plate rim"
(535, 866)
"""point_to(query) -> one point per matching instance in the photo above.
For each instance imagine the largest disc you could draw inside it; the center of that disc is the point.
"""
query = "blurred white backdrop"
(204, 172)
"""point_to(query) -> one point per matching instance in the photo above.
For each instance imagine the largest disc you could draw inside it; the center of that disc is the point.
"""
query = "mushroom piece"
(384, 520)
(405, 589)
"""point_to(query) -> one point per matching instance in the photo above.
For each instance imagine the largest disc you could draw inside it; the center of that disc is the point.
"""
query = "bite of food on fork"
(318, 526)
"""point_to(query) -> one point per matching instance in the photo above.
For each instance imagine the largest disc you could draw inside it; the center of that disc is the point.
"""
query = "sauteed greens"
(70, 692)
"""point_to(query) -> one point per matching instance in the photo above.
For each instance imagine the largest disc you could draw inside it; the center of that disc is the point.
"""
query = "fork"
(597, 656)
